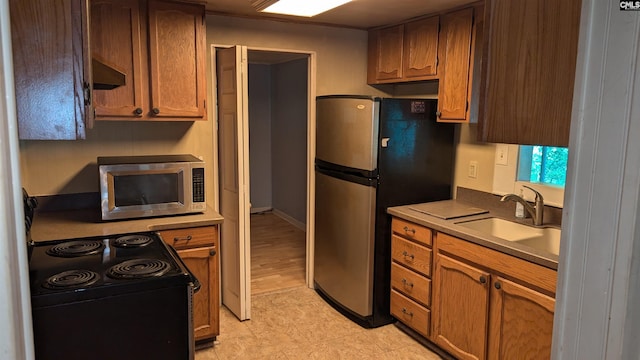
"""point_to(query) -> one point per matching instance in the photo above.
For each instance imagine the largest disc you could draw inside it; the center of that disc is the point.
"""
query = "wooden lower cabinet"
(411, 313)
(471, 301)
(411, 275)
(521, 322)
(461, 308)
(490, 305)
(198, 249)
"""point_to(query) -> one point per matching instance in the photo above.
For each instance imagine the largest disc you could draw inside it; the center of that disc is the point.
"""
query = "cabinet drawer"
(412, 255)
(411, 284)
(411, 231)
(191, 237)
(410, 313)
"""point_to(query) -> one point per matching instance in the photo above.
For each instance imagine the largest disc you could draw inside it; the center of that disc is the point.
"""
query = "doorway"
(276, 170)
(277, 88)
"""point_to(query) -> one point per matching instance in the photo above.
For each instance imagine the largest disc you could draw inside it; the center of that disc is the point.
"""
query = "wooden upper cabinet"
(420, 52)
(159, 45)
(455, 65)
(528, 71)
(177, 59)
(118, 39)
(405, 52)
(385, 54)
(442, 47)
(51, 68)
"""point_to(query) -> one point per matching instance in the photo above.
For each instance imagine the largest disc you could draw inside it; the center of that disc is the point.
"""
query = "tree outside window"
(543, 164)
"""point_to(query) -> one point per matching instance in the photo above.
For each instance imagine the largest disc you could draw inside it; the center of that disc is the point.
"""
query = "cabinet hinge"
(87, 94)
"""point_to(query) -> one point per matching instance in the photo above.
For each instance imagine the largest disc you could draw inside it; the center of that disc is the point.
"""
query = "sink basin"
(547, 239)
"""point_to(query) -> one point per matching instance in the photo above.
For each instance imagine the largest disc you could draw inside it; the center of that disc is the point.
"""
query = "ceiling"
(361, 14)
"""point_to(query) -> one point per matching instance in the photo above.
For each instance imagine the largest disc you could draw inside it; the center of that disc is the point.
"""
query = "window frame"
(506, 179)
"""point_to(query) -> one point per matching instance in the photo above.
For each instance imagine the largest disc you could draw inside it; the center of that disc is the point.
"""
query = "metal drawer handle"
(177, 238)
(407, 230)
(212, 252)
(406, 283)
(407, 255)
(404, 311)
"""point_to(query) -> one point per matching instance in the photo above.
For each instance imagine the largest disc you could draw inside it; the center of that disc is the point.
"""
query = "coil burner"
(132, 241)
(138, 269)
(76, 248)
(71, 279)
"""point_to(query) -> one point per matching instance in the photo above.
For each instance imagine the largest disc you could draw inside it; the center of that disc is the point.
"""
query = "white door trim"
(16, 341)
(311, 142)
(598, 284)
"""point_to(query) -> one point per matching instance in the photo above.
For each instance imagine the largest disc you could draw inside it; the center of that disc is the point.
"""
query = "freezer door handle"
(348, 177)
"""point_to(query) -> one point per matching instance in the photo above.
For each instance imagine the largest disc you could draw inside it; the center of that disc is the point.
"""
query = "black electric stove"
(126, 296)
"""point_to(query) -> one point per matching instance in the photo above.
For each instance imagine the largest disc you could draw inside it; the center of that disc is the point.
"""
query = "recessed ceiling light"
(305, 8)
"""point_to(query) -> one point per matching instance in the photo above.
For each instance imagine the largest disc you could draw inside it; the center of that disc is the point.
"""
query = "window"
(543, 164)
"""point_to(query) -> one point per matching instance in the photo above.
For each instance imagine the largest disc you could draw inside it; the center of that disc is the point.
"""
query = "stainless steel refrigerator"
(371, 153)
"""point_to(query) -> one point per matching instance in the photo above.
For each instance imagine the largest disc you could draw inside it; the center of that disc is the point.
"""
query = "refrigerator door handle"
(348, 177)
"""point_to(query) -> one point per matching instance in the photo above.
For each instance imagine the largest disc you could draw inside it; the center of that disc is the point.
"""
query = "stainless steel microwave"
(146, 186)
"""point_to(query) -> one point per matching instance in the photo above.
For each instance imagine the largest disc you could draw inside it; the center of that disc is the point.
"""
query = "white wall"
(341, 53)
(289, 142)
(260, 136)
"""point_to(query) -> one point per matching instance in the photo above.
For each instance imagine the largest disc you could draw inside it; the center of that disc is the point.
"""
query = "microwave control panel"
(198, 184)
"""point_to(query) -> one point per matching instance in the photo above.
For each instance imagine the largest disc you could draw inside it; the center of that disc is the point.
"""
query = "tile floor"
(298, 324)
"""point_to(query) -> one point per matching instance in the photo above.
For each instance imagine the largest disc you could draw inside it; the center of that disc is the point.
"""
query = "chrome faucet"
(535, 211)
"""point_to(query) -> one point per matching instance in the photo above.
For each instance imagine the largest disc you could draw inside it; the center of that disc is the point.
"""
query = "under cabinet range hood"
(106, 77)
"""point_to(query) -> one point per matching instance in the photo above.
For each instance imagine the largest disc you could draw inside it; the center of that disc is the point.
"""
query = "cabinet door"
(420, 57)
(521, 322)
(455, 55)
(50, 53)
(118, 40)
(176, 51)
(528, 71)
(385, 54)
(203, 263)
(460, 308)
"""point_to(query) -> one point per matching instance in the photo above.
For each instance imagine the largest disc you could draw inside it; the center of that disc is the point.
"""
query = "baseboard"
(259, 210)
(290, 220)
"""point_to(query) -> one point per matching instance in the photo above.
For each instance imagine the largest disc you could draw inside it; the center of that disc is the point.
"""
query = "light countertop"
(71, 224)
(450, 227)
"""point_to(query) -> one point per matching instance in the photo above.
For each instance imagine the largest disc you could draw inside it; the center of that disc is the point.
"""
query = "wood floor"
(277, 254)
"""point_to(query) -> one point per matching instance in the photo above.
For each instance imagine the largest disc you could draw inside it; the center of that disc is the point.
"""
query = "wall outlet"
(502, 154)
(473, 169)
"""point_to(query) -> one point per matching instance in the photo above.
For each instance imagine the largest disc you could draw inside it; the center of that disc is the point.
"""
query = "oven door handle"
(195, 283)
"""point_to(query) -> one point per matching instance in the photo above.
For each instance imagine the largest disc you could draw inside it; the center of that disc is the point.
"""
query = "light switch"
(502, 154)
(473, 169)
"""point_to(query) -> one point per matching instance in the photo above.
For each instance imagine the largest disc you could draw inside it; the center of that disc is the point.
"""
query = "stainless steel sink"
(543, 238)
